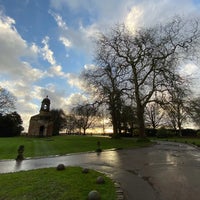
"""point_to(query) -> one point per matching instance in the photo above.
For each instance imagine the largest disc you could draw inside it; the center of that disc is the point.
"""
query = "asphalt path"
(165, 171)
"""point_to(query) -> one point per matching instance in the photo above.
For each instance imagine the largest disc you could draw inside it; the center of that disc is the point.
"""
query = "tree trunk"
(114, 122)
(179, 122)
(115, 125)
(140, 115)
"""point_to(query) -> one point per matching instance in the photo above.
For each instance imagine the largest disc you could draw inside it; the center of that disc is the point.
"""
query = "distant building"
(42, 123)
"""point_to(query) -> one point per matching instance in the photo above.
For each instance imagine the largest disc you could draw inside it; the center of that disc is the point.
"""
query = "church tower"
(42, 124)
(45, 106)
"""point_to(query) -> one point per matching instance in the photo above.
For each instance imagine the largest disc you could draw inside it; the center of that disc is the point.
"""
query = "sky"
(45, 44)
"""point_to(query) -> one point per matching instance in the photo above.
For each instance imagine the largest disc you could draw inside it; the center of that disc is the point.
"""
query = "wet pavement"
(165, 171)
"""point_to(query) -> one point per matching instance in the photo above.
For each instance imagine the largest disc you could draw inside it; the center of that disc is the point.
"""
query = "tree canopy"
(59, 120)
(10, 125)
(141, 66)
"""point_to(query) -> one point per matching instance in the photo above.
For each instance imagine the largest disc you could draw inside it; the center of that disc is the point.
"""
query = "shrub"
(198, 133)
(188, 132)
(164, 133)
(150, 132)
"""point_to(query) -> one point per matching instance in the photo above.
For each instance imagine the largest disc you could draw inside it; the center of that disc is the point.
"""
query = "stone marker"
(94, 195)
(85, 170)
(100, 180)
(60, 167)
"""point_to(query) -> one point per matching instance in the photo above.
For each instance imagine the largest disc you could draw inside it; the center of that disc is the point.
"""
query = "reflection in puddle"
(171, 159)
(111, 157)
(107, 162)
(18, 165)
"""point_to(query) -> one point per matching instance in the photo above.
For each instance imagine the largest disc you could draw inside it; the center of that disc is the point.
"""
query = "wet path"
(166, 171)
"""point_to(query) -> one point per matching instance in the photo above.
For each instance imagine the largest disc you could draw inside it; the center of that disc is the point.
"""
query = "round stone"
(100, 180)
(94, 195)
(85, 170)
(60, 167)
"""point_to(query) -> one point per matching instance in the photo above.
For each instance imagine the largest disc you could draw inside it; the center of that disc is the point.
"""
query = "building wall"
(40, 125)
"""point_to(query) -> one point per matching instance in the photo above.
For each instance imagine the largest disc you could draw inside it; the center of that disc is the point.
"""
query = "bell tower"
(45, 106)
(42, 124)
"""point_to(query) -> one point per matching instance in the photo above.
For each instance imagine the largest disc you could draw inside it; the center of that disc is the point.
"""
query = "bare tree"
(154, 115)
(177, 108)
(7, 101)
(71, 124)
(150, 56)
(85, 116)
(107, 84)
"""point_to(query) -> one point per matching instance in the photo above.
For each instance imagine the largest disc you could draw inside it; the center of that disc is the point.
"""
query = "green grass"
(61, 145)
(69, 184)
(186, 140)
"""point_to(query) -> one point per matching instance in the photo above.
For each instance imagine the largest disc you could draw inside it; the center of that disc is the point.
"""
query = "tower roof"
(46, 101)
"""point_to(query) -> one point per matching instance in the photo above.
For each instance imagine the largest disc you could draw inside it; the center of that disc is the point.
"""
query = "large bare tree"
(149, 58)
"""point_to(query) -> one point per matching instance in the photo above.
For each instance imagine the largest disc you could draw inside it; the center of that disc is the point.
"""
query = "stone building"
(42, 123)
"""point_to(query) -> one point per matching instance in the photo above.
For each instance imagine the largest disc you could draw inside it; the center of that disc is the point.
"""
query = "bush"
(150, 132)
(164, 133)
(198, 133)
(189, 132)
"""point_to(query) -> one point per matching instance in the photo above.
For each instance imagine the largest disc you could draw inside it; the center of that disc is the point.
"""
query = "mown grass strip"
(69, 184)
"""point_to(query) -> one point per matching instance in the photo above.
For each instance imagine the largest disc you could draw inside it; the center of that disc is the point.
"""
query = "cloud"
(189, 69)
(34, 48)
(46, 52)
(133, 17)
(74, 100)
(65, 41)
(17, 75)
(59, 20)
(90, 67)
(56, 70)
(141, 12)
(80, 38)
(74, 80)
(12, 49)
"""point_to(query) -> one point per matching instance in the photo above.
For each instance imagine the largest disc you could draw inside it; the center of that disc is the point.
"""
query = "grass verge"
(61, 145)
(69, 184)
(186, 140)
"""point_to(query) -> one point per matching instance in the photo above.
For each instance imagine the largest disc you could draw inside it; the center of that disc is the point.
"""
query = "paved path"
(166, 171)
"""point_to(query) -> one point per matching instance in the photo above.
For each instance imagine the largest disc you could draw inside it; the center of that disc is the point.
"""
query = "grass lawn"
(69, 184)
(187, 140)
(60, 145)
